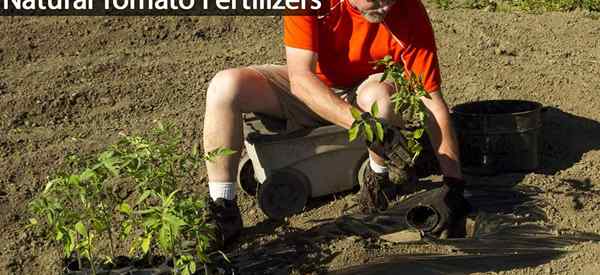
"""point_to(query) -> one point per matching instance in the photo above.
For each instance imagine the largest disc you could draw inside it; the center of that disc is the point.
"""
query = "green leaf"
(80, 228)
(151, 222)
(225, 152)
(375, 109)
(70, 243)
(369, 132)
(144, 196)
(384, 76)
(353, 132)
(51, 184)
(186, 264)
(105, 155)
(108, 260)
(33, 221)
(99, 225)
(210, 156)
(417, 134)
(418, 148)
(195, 149)
(87, 174)
(134, 245)
(74, 179)
(126, 227)
(170, 199)
(190, 268)
(164, 239)
(125, 209)
(59, 235)
(387, 58)
(145, 243)
(379, 131)
(421, 116)
(416, 156)
(355, 113)
(173, 220)
(426, 94)
(108, 164)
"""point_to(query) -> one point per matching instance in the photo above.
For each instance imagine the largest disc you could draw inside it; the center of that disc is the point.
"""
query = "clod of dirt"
(3, 85)
(19, 119)
(502, 50)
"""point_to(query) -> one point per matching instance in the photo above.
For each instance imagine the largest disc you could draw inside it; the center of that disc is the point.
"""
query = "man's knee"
(375, 92)
(225, 87)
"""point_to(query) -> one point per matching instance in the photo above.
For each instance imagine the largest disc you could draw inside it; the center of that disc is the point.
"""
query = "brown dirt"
(71, 84)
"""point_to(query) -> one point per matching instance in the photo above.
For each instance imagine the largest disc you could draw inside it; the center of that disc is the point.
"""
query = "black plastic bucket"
(498, 136)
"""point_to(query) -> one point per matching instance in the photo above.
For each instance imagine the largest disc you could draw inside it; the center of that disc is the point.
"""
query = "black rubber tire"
(245, 176)
(284, 194)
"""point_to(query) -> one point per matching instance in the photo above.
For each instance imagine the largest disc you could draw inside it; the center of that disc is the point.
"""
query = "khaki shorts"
(296, 113)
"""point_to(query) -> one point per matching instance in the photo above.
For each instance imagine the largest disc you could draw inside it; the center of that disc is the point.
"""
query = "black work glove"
(440, 212)
(394, 148)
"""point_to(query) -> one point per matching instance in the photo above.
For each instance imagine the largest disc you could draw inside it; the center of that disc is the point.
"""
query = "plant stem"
(90, 249)
(149, 256)
(173, 250)
(77, 250)
(110, 238)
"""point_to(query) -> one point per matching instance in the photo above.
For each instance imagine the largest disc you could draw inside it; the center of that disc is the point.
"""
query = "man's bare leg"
(231, 93)
(367, 94)
(377, 189)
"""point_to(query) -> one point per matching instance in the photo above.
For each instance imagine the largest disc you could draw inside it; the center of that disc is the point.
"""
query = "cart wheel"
(284, 194)
(245, 176)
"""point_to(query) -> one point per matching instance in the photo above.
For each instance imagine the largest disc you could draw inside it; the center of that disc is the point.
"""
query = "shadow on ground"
(565, 139)
(512, 238)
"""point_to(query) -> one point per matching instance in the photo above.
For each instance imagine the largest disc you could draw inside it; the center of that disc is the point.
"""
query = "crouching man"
(326, 54)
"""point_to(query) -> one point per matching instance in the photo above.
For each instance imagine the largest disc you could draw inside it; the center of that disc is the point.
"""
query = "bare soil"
(71, 84)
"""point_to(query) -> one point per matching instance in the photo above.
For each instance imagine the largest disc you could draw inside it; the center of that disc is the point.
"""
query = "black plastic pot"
(125, 266)
(498, 136)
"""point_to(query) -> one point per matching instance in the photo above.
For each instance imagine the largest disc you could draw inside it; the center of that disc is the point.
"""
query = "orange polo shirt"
(346, 43)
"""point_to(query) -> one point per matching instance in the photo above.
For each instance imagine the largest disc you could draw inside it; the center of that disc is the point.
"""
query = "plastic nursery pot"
(498, 136)
(72, 267)
(120, 265)
(158, 266)
(218, 266)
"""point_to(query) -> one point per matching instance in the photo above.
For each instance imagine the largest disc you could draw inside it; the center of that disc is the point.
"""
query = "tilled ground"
(72, 84)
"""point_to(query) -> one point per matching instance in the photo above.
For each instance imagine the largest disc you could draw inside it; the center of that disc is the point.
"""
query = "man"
(327, 53)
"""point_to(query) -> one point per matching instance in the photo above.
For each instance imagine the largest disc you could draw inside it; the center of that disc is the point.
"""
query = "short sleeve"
(423, 62)
(421, 54)
(301, 32)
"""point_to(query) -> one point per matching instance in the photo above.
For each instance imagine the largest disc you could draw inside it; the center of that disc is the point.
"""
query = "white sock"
(219, 189)
(378, 169)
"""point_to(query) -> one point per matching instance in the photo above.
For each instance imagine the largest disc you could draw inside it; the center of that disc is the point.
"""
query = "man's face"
(373, 10)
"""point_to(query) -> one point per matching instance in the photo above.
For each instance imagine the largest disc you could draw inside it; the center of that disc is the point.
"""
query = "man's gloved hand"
(393, 148)
(441, 212)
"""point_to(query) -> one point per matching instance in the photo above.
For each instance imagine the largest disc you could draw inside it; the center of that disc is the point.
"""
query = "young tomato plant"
(406, 99)
(171, 224)
(126, 192)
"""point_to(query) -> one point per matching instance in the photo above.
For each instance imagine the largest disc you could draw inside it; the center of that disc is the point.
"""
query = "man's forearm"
(442, 136)
(319, 98)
